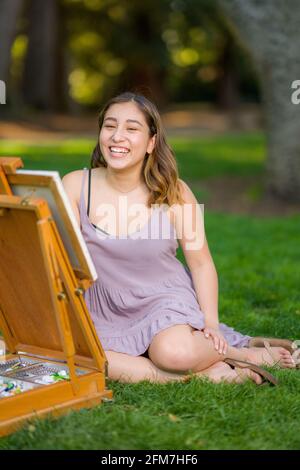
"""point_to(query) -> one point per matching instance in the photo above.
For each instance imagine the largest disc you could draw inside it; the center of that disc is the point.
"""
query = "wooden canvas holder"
(42, 310)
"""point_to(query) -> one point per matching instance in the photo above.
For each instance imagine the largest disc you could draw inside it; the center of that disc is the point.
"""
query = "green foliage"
(171, 50)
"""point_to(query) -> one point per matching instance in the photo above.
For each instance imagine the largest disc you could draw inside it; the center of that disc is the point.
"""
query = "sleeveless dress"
(142, 288)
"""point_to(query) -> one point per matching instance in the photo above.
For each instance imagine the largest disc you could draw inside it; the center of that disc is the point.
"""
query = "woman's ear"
(151, 144)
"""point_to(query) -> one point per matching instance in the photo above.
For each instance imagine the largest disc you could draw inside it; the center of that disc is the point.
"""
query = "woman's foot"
(258, 342)
(221, 372)
(270, 356)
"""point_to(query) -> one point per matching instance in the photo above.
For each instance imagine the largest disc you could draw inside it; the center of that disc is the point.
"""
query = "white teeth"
(118, 150)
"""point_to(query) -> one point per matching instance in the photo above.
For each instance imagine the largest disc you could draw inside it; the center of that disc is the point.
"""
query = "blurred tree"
(94, 65)
(9, 13)
(207, 60)
(177, 51)
(270, 30)
(81, 52)
(143, 48)
(43, 71)
(116, 45)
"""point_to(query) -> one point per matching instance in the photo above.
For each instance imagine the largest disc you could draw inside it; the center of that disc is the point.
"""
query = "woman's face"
(124, 136)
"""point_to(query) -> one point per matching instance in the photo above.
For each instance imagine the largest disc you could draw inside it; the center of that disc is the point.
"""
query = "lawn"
(258, 267)
(230, 154)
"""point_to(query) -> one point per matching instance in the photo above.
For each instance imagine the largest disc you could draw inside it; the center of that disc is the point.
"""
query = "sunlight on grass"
(197, 157)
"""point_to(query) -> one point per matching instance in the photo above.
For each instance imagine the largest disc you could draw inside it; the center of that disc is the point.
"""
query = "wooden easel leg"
(4, 186)
(8, 166)
(78, 305)
(59, 297)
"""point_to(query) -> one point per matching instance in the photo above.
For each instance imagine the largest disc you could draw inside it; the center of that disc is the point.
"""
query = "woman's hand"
(218, 339)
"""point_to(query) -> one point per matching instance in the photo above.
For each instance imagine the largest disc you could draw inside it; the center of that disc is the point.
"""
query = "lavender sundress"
(142, 288)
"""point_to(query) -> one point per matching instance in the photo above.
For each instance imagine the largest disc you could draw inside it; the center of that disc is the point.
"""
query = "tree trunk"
(9, 12)
(40, 79)
(147, 80)
(143, 74)
(228, 96)
(270, 30)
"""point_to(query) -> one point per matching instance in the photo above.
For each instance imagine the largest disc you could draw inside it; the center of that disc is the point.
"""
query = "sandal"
(258, 342)
(266, 376)
(290, 345)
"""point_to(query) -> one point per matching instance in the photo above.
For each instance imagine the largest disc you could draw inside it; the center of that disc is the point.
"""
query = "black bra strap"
(89, 193)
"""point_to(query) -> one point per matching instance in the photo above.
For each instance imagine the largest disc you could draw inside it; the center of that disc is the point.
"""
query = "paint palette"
(22, 374)
(10, 387)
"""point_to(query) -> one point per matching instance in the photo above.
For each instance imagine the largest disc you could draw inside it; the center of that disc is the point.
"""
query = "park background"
(221, 73)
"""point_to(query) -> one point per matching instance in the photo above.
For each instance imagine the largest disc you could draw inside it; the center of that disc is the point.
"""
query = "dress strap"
(89, 193)
(82, 204)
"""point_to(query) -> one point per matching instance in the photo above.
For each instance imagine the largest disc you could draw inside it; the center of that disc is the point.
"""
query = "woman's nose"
(117, 135)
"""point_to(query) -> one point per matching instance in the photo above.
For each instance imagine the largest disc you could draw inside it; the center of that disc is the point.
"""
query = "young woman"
(157, 320)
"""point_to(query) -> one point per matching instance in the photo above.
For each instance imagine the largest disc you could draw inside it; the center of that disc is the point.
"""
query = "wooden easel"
(42, 310)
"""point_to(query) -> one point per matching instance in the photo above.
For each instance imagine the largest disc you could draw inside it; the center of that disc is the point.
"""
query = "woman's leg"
(132, 369)
(182, 348)
(273, 356)
(258, 356)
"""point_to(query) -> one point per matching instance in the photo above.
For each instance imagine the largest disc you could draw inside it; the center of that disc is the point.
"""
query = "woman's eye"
(108, 126)
(132, 129)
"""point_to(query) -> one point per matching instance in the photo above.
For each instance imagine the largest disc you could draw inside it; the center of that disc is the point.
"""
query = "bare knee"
(171, 357)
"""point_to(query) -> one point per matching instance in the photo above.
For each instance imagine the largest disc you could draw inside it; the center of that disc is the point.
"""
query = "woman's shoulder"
(72, 182)
(73, 175)
(186, 193)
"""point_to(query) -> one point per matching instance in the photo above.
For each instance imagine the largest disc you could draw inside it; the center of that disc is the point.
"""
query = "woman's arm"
(72, 183)
(205, 280)
(190, 229)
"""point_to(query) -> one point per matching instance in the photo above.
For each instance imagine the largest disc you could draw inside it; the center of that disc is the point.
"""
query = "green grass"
(239, 154)
(258, 267)
(229, 154)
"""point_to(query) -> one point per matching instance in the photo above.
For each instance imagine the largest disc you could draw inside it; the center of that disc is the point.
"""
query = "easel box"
(43, 315)
(49, 400)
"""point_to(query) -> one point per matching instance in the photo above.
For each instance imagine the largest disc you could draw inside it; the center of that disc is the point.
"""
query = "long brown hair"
(160, 167)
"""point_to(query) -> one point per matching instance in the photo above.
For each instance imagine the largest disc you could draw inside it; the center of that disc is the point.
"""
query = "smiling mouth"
(119, 151)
